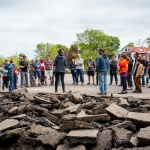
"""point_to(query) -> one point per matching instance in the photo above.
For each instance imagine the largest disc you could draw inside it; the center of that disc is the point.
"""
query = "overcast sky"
(24, 23)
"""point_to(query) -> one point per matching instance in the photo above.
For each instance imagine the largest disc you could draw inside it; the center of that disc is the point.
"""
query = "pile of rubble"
(71, 121)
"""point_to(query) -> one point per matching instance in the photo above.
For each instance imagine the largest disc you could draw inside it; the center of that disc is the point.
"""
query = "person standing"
(60, 64)
(129, 74)
(139, 74)
(31, 73)
(37, 71)
(144, 63)
(91, 68)
(135, 55)
(79, 69)
(73, 71)
(148, 71)
(113, 70)
(5, 78)
(48, 70)
(96, 72)
(15, 76)
(42, 71)
(24, 72)
(102, 66)
(123, 69)
(10, 74)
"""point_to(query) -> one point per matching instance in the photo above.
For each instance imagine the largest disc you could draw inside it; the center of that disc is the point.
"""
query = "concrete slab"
(117, 111)
(83, 136)
(139, 118)
(8, 123)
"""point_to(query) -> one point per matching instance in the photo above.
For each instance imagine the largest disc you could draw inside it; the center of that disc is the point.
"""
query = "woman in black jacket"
(60, 64)
(129, 75)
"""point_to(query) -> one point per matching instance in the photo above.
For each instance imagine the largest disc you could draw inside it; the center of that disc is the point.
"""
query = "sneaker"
(51, 84)
(35, 85)
(123, 92)
(110, 84)
(105, 93)
(96, 84)
(129, 88)
(39, 85)
(135, 91)
(76, 84)
(93, 84)
(88, 83)
(82, 84)
(21, 86)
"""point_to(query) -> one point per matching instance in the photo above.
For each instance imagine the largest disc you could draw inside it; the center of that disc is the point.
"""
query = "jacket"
(9, 67)
(60, 64)
(102, 63)
(113, 66)
(123, 64)
(140, 70)
(130, 66)
(72, 67)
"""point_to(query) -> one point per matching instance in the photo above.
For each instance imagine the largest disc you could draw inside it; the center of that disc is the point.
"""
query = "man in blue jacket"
(102, 67)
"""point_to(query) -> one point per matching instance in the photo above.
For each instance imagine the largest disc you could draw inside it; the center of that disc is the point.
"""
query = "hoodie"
(60, 64)
(102, 63)
(123, 64)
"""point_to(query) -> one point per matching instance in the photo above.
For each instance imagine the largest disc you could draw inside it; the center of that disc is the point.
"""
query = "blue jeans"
(11, 82)
(79, 72)
(143, 78)
(74, 76)
(102, 76)
(24, 74)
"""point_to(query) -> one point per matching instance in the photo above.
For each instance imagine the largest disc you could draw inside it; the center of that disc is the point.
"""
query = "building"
(130, 50)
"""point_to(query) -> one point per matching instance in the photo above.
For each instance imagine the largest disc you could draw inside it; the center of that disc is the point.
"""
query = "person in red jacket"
(123, 69)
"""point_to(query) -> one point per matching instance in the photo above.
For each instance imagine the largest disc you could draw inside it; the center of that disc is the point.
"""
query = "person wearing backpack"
(138, 77)
(10, 74)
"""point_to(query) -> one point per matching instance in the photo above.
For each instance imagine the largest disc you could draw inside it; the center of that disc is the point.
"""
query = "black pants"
(129, 79)
(5, 82)
(42, 76)
(62, 75)
(113, 73)
(96, 78)
(124, 83)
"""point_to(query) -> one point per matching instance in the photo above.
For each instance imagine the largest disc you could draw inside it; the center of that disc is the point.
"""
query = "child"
(31, 72)
(137, 80)
(15, 76)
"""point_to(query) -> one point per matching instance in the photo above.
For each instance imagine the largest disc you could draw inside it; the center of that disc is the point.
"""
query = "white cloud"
(26, 23)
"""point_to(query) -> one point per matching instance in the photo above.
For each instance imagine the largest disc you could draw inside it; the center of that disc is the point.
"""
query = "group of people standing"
(39, 70)
(131, 71)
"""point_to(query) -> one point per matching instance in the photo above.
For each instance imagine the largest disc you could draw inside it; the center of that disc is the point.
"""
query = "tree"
(148, 42)
(2, 59)
(131, 44)
(48, 49)
(91, 40)
(21, 55)
(71, 53)
(42, 49)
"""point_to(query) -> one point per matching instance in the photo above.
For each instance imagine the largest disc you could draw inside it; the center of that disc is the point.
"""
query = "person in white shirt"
(79, 69)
